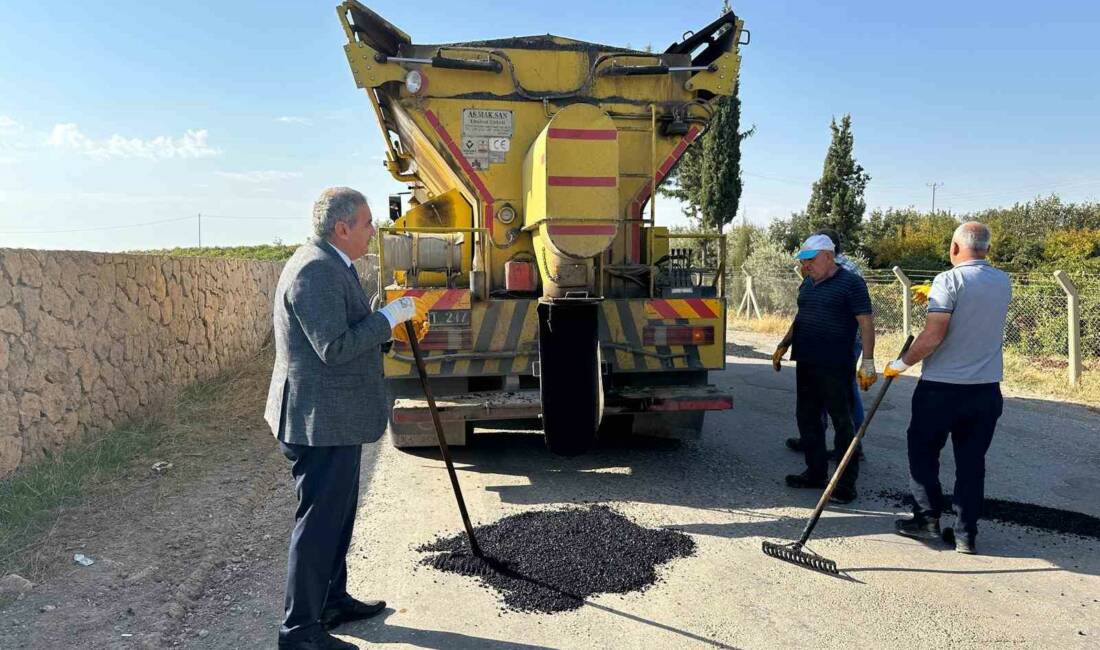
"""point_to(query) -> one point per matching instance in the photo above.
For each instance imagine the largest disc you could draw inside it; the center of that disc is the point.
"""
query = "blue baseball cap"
(813, 245)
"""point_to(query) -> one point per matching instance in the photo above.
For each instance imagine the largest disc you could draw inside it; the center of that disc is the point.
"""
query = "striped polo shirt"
(826, 321)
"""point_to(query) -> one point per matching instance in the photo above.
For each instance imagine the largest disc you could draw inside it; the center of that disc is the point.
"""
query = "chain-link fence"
(1037, 329)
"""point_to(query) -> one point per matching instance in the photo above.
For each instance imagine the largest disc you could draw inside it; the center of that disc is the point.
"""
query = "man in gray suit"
(326, 399)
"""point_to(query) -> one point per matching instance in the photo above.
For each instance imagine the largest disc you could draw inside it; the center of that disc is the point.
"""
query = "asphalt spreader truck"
(528, 230)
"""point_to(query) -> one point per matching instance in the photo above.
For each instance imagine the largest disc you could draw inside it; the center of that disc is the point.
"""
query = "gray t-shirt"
(976, 295)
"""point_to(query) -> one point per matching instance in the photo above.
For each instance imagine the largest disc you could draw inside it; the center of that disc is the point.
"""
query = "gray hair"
(335, 204)
(973, 235)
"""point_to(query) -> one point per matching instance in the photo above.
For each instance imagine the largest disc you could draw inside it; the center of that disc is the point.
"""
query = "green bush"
(262, 252)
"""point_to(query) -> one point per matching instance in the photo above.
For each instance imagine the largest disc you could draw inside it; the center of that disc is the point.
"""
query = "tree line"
(1042, 234)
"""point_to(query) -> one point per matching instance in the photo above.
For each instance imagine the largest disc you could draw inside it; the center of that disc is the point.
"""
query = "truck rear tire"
(570, 381)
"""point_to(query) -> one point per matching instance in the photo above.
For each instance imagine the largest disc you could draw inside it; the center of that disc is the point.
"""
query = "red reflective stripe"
(583, 134)
(701, 307)
(580, 230)
(664, 309)
(643, 193)
(692, 405)
(456, 153)
(449, 298)
(582, 181)
(639, 198)
(415, 293)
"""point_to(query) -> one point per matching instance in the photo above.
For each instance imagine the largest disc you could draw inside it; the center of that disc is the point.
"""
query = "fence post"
(1073, 303)
(752, 297)
(743, 307)
(906, 299)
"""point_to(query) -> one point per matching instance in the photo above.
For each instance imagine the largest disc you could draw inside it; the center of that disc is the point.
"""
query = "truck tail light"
(678, 335)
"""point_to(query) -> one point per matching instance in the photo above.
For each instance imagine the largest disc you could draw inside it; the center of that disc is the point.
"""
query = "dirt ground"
(195, 556)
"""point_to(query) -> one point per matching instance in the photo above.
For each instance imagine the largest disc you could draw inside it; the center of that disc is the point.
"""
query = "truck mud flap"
(569, 369)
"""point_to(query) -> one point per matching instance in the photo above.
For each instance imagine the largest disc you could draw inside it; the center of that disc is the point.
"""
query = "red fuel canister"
(519, 276)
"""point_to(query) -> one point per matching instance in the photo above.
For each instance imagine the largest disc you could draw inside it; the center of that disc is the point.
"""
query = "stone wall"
(88, 339)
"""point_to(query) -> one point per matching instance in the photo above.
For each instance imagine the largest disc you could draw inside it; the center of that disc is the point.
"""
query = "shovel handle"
(443, 448)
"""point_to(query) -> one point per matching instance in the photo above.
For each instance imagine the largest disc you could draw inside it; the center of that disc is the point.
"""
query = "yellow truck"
(529, 230)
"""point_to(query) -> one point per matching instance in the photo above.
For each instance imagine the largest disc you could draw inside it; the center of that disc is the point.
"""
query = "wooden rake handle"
(443, 448)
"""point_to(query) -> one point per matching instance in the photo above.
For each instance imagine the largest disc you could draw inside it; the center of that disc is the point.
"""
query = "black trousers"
(829, 388)
(326, 480)
(969, 413)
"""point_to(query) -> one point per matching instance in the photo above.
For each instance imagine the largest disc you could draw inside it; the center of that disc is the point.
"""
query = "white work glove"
(895, 368)
(866, 374)
(399, 311)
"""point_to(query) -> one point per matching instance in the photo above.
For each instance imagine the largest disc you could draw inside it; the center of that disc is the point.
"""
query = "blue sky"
(133, 112)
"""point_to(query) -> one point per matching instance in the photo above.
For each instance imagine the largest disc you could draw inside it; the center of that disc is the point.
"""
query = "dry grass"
(32, 499)
(1038, 376)
(769, 324)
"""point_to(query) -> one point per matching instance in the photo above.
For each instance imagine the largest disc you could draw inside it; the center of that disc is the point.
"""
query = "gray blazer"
(327, 387)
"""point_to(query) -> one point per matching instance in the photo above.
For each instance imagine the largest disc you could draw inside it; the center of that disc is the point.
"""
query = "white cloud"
(259, 176)
(294, 119)
(192, 144)
(8, 126)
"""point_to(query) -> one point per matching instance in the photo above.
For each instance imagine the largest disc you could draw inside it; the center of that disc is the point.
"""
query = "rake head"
(794, 554)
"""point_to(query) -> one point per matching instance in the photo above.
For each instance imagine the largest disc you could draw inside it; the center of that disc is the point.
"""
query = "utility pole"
(933, 186)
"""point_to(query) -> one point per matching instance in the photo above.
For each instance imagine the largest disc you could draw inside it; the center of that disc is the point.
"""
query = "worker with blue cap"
(833, 303)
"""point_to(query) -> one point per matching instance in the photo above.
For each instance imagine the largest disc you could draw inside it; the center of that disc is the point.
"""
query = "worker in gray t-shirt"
(959, 392)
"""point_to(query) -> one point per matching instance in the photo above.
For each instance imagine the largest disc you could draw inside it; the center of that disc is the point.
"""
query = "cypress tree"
(837, 198)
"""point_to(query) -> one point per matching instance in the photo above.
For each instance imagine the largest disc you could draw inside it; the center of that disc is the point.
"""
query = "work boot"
(919, 527)
(806, 480)
(320, 640)
(843, 494)
(350, 610)
(963, 543)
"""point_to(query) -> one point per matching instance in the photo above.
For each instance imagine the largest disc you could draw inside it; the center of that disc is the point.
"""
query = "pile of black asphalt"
(551, 560)
(1055, 520)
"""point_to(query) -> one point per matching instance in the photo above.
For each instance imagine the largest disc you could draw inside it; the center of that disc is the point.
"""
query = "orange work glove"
(920, 293)
(895, 368)
(866, 375)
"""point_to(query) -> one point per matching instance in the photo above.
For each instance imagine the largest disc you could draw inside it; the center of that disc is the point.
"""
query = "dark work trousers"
(825, 387)
(326, 481)
(856, 402)
(969, 413)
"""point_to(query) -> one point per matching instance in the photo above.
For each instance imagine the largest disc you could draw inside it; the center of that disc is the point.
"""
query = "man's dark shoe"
(350, 610)
(844, 494)
(805, 480)
(919, 527)
(794, 444)
(963, 543)
(321, 640)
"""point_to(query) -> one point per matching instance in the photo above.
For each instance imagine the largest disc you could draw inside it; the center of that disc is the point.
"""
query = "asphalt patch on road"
(1033, 516)
(551, 560)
